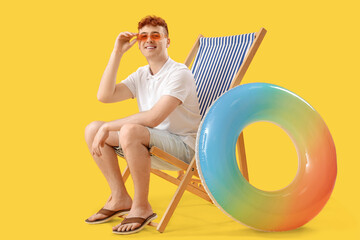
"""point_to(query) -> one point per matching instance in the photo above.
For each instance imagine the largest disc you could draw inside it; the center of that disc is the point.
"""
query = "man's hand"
(122, 43)
(99, 141)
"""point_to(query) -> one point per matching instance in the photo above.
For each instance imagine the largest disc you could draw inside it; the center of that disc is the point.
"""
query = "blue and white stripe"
(216, 64)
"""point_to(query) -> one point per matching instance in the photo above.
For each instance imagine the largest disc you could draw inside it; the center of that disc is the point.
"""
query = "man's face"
(153, 48)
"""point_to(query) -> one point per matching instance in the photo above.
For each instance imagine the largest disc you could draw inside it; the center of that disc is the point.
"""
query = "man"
(168, 118)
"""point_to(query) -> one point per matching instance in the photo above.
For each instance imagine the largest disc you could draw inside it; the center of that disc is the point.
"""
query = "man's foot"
(111, 209)
(109, 214)
(132, 220)
(135, 220)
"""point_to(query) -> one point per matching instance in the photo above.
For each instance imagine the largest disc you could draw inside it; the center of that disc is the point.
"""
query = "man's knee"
(91, 129)
(130, 134)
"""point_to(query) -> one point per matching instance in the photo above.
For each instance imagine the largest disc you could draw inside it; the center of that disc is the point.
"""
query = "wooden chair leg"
(126, 174)
(177, 196)
(242, 157)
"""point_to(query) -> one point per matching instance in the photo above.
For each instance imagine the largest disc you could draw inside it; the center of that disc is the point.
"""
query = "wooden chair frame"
(185, 181)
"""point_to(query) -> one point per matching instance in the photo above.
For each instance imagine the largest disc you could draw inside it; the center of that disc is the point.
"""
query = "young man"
(168, 118)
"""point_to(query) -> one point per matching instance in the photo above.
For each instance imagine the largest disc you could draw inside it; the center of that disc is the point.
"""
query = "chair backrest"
(216, 63)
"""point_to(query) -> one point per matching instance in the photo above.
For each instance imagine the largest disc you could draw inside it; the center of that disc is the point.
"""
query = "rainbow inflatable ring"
(284, 209)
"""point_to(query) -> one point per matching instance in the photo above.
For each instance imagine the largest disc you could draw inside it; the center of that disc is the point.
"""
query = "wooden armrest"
(170, 159)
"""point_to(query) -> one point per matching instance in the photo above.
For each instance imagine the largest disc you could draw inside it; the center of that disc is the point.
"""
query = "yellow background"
(53, 54)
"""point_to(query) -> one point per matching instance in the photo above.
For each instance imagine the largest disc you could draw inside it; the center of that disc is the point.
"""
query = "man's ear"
(168, 42)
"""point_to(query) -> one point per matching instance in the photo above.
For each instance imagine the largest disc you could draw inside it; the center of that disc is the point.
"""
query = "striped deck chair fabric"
(216, 64)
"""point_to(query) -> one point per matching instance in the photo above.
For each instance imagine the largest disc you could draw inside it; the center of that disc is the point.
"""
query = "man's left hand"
(99, 141)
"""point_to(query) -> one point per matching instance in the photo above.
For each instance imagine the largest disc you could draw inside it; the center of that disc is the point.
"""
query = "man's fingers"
(97, 152)
(130, 33)
(127, 35)
(93, 151)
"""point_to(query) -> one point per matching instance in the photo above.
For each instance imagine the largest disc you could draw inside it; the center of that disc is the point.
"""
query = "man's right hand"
(109, 91)
(122, 43)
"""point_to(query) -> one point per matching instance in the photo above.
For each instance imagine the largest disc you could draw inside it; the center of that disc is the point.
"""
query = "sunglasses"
(153, 36)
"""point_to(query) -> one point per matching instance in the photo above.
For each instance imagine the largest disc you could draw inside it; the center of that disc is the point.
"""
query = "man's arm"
(151, 118)
(108, 90)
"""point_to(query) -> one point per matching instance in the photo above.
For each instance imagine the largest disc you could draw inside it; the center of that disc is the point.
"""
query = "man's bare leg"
(134, 141)
(108, 164)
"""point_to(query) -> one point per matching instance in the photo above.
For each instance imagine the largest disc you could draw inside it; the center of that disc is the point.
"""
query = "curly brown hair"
(154, 21)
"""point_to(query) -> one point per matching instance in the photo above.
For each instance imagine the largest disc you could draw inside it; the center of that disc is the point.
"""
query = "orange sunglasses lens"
(153, 36)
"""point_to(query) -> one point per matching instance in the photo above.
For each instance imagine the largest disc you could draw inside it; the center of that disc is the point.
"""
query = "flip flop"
(142, 221)
(109, 215)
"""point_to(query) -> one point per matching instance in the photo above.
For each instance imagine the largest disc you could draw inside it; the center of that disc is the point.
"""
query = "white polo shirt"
(173, 79)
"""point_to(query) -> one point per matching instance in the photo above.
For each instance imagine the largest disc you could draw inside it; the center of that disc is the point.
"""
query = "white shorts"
(168, 142)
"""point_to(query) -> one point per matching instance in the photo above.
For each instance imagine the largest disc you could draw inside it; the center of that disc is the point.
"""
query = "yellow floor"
(193, 219)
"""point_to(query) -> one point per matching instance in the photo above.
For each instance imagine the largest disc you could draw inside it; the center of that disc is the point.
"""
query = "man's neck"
(157, 64)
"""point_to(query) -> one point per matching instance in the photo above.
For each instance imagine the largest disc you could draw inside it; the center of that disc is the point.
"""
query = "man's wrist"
(117, 53)
(105, 127)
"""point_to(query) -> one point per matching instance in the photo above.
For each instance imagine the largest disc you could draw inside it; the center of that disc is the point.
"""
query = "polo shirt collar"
(159, 73)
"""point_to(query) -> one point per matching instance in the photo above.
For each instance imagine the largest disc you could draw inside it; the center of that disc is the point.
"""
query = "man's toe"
(134, 226)
(115, 228)
(96, 217)
(128, 228)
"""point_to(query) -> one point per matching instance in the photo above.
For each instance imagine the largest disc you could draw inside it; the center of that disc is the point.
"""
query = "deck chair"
(219, 65)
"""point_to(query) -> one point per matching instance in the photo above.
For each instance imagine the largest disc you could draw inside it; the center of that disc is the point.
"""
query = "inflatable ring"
(284, 209)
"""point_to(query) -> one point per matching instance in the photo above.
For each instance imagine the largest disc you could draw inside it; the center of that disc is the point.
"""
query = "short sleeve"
(179, 84)
(130, 82)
